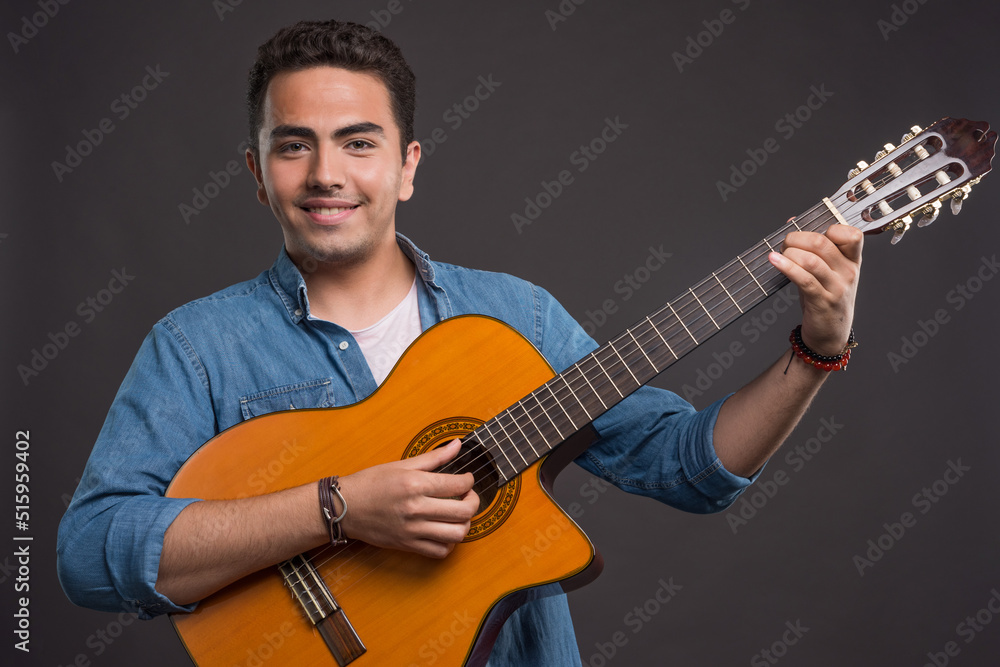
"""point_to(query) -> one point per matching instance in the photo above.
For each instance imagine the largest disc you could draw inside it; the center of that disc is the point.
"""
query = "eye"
(360, 144)
(294, 147)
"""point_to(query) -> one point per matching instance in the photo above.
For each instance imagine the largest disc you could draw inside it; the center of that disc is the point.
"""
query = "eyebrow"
(284, 131)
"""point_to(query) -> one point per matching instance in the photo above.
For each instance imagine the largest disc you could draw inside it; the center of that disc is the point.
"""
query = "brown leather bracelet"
(328, 487)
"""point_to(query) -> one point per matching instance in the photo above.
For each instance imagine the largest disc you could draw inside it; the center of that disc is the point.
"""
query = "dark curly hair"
(339, 44)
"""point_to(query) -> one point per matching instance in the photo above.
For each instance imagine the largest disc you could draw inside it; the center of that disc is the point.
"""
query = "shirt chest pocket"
(310, 394)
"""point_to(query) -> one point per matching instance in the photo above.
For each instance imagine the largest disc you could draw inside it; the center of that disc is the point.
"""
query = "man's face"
(330, 166)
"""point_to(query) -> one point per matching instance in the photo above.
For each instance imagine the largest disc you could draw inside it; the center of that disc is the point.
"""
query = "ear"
(409, 170)
(258, 174)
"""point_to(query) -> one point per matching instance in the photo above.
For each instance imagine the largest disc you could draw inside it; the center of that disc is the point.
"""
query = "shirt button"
(344, 345)
(298, 312)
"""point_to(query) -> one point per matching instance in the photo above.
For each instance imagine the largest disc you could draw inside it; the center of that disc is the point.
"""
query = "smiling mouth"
(330, 211)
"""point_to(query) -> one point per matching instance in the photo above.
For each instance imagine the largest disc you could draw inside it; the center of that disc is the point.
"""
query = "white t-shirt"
(383, 342)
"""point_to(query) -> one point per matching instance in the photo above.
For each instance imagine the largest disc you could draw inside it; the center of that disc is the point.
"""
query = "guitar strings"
(715, 292)
(821, 217)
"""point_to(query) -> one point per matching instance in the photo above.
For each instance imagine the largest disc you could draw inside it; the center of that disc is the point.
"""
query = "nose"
(326, 170)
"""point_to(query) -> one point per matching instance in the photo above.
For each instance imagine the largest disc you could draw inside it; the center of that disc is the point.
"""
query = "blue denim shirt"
(254, 348)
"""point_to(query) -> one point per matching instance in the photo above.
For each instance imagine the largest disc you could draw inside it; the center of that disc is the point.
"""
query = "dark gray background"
(655, 185)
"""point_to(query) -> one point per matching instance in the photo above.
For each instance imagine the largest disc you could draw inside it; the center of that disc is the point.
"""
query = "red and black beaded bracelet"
(821, 361)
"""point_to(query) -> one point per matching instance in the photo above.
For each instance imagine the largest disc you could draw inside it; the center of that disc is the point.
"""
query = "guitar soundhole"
(475, 459)
(497, 498)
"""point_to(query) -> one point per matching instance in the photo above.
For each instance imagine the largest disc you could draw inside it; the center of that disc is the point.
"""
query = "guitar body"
(406, 609)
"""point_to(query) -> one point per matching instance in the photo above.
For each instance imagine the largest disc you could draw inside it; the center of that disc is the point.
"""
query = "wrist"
(824, 362)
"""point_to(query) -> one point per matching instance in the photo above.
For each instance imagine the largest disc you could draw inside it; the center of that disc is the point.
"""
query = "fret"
(669, 305)
(594, 355)
(510, 413)
(657, 330)
(752, 275)
(532, 420)
(769, 246)
(596, 393)
(618, 354)
(497, 445)
(629, 331)
(796, 224)
(727, 292)
(575, 397)
(546, 413)
(705, 309)
(561, 407)
(498, 422)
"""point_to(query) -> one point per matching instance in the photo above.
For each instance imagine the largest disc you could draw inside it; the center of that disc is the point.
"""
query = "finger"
(445, 485)
(802, 278)
(840, 246)
(822, 276)
(434, 458)
(849, 240)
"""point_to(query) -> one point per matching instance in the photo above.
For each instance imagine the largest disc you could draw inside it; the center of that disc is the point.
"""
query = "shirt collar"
(291, 286)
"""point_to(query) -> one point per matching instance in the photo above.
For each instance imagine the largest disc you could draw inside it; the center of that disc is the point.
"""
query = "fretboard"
(542, 420)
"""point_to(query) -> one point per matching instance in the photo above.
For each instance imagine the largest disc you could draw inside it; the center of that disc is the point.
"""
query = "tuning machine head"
(930, 214)
(958, 197)
(862, 165)
(900, 227)
(914, 131)
(888, 148)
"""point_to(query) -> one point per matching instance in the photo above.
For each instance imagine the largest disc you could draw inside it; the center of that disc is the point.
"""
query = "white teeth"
(330, 211)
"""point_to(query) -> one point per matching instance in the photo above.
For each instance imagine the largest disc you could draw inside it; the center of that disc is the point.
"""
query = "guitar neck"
(538, 423)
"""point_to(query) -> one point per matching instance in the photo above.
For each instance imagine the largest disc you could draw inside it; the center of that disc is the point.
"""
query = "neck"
(357, 295)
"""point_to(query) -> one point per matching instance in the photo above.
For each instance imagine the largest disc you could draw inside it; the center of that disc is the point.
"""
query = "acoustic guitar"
(477, 379)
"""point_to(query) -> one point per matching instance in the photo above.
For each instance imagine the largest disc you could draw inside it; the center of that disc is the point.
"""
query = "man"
(331, 114)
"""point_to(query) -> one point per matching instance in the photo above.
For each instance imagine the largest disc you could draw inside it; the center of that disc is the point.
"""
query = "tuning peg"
(930, 214)
(956, 204)
(914, 131)
(900, 226)
(886, 150)
(862, 165)
(958, 198)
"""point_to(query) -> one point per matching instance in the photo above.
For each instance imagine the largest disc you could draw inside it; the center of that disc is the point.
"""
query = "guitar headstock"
(911, 181)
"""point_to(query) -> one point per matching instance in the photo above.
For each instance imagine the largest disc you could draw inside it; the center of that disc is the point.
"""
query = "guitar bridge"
(307, 586)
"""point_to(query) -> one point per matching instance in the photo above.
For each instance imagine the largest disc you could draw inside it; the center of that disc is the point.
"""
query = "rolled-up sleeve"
(653, 443)
(111, 537)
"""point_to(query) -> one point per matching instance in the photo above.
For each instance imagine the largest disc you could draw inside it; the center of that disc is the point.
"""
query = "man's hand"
(825, 268)
(403, 505)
